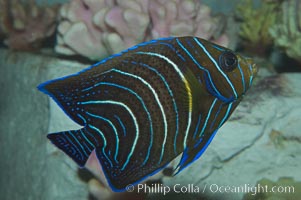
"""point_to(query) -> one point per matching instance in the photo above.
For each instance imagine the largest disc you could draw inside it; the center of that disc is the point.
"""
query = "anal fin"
(74, 143)
(191, 154)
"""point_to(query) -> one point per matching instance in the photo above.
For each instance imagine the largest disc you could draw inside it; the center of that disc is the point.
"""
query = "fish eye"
(228, 61)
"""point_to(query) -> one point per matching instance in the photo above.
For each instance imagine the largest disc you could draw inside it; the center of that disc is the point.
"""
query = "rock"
(30, 166)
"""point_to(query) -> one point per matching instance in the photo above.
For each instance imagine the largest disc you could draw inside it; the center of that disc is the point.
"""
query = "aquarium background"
(258, 146)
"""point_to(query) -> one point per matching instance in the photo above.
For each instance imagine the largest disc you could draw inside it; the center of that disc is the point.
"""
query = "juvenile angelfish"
(143, 107)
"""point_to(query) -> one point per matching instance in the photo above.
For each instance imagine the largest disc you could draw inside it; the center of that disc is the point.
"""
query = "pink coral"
(24, 25)
(98, 28)
(183, 17)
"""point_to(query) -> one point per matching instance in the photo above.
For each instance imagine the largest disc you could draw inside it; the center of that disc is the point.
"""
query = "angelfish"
(141, 108)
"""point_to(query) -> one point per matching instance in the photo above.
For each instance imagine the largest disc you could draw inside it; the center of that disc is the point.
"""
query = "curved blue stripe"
(92, 136)
(226, 115)
(87, 147)
(197, 126)
(251, 76)
(86, 139)
(104, 141)
(215, 116)
(208, 116)
(217, 47)
(242, 78)
(74, 146)
(121, 124)
(134, 120)
(172, 97)
(217, 66)
(143, 105)
(84, 120)
(115, 131)
(70, 132)
(157, 100)
(204, 69)
(173, 49)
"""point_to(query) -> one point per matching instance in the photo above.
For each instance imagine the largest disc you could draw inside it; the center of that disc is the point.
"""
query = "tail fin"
(74, 143)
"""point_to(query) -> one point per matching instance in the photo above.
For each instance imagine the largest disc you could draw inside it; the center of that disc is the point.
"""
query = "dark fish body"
(143, 107)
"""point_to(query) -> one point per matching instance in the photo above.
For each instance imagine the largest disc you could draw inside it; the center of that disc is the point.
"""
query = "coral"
(287, 32)
(96, 29)
(24, 25)
(178, 18)
(256, 22)
(284, 189)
